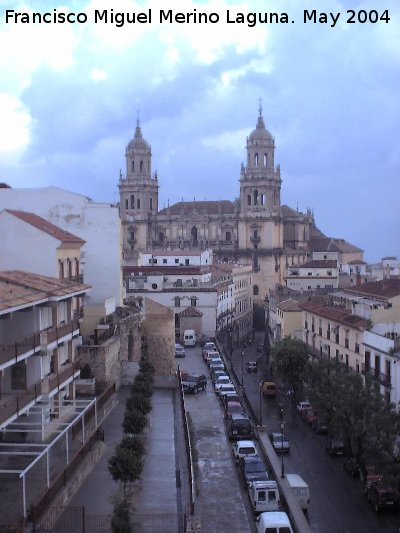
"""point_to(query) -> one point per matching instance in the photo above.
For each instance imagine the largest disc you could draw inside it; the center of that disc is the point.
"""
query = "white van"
(300, 490)
(264, 496)
(189, 337)
(274, 522)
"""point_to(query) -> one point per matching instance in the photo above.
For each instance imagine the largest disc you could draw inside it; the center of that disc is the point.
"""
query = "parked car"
(239, 427)
(383, 497)
(310, 416)
(251, 366)
(335, 446)
(244, 448)
(214, 362)
(303, 406)
(230, 397)
(268, 389)
(352, 466)
(224, 389)
(279, 443)
(252, 469)
(208, 346)
(179, 350)
(215, 374)
(369, 475)
(300, 490)
(207, 351)
(212, 355)
(233, 408)
(217, 366)
(222, 380)
(274, 522)
(193, 383)
(264, 496)
(320, 426)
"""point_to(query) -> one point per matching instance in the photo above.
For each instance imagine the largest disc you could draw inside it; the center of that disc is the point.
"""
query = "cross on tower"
(260, 106)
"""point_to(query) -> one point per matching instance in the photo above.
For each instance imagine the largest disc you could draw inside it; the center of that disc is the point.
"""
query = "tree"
(134, 421)
(121, 518)
(125, 466)
(139, 401)
(133, 444)
(289, 360)
(145, 366)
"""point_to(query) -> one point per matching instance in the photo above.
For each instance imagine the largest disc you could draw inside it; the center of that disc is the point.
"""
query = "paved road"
(338, 503)
(219, 501)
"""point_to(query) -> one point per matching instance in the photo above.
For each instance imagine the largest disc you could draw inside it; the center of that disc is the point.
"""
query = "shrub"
(143, 388)
(145, 366)
(125, 466)
(133, 444)
(139, 401)
(121, 518)
(134, 422)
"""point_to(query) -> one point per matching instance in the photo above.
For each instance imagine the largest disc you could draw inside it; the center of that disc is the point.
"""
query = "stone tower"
(138, 191)
(260, 221)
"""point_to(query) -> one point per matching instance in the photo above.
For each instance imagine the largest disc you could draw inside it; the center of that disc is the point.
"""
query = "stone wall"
(159, 337)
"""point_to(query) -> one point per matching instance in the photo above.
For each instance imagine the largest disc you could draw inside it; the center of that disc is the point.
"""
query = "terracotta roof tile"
(333, 313)
(19, 288)
(318, 263)
(289, 305)
(387, 288)
(46, 226)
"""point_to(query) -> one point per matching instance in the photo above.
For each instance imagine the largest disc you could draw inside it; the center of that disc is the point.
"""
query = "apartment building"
(39, 335)
(312, 275)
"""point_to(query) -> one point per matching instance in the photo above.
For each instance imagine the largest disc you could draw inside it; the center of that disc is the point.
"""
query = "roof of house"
(190, 312)
(330, 244)
(289, 305)
(387, 288)
(319, 263)
(20, 289)
(209, 207)
(289, 212)
(4, 186)
(356, 262)
(46, 226)
(338, 315)
(162, 270)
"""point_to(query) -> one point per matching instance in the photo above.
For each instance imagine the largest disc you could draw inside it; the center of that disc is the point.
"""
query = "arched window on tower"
(126, 203)
(151, 203)
(177, 301)
(256, 290)
(262, 199)
(148, 166)
(249, 199)
(132, 201)
(265, 160)
(255, 197)
(256, 160)
(138, 203)
(133, 166)
(141, 166)
(275, 196)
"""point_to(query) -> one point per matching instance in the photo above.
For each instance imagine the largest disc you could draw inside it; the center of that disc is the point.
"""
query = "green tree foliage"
(289, 360)
(125, 466)
(121, 518)
(145, 366)
(139, 401)
(134, 422)
(356, 411)
(132, 443)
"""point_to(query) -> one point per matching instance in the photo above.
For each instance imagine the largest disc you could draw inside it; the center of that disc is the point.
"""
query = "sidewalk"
(156, 491)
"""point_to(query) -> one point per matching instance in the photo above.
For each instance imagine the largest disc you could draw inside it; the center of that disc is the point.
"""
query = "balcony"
(255, 240)
(78, 278)
(56, 333)
(19, 350)
(53, 381)
(14, 404)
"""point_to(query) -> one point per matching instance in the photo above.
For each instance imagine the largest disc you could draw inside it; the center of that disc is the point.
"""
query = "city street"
(338, 503)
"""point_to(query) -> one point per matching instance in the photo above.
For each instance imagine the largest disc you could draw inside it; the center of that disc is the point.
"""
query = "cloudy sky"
(69, 96)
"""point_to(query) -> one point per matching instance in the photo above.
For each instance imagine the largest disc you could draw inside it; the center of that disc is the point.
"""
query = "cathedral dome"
(260, 133)
(138, 142)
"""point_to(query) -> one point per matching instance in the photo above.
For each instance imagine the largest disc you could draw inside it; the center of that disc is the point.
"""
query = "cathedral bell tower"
(260, 221)
(138, 191)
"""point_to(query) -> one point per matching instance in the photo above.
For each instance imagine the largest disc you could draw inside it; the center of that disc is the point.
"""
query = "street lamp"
(260, 399)
(242, 355)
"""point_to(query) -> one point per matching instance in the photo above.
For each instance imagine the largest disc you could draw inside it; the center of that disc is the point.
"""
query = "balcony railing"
(56, 380)
(55, 333)
(9, 352)
(78, 278)
(15, 403)
(384, 379)
(255, 240)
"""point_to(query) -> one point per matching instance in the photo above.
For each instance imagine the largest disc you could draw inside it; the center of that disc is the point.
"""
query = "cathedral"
(252, 229)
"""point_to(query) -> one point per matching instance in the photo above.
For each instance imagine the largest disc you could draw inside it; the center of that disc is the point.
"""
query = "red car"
(233, 407)
(383, 497)
(310, 416)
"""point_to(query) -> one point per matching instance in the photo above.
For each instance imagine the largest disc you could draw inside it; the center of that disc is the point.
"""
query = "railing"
(8, 352)
(78, 313)
(78, 278)
(56, 379)
(15, 404)
(55, 333)
(255, 240)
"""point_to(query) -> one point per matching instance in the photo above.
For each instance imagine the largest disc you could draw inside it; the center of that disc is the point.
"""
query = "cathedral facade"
(253, 229)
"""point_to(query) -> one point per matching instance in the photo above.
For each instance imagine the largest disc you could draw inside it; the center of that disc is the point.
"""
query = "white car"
(224, 388)
(244, 448)
(280, 443)
(303, 406)
(222, 380)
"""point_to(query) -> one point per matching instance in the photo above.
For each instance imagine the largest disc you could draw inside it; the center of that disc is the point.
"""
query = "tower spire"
(260, 107)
